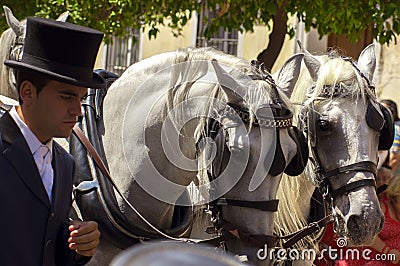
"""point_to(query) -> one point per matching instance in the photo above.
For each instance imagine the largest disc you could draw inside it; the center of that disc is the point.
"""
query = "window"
(223, 40)
(122, 52)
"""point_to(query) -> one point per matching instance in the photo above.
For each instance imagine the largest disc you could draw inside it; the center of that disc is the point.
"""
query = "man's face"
(55, 110)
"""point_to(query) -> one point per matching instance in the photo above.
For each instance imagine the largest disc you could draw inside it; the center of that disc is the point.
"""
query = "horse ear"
(228, 84)
(63, 17)
(312, 63)
(289, 74)
(367, 61)
(13, 22)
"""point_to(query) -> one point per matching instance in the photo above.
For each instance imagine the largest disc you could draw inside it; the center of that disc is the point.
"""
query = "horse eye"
(324, 125)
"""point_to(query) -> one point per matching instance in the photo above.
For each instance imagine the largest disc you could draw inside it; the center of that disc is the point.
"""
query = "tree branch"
(269, 55)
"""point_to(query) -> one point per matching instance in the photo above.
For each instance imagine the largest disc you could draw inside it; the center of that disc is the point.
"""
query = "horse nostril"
(352, 223)
(357, 223)
(362, 230)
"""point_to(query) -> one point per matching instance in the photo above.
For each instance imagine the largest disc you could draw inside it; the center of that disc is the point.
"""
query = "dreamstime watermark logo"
(162, 135)
(341, 253)
(341, 242)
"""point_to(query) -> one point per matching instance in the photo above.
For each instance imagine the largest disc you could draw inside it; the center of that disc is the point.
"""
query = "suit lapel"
(59, 176)
(20, 157)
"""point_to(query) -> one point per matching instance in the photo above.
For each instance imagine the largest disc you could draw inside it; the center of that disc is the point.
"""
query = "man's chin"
(65, 134)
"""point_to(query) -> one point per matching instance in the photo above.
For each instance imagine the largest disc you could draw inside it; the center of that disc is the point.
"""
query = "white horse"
(11, 42)
(339, 111)
(187, 116)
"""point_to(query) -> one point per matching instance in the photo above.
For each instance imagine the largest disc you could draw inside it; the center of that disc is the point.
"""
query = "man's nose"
(76, 109)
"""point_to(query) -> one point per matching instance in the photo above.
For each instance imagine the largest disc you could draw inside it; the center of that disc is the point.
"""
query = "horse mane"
(6, 41)
(334, 71)
(337, 72)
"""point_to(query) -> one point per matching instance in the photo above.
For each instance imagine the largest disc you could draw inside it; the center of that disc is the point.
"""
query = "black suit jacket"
(33, 232)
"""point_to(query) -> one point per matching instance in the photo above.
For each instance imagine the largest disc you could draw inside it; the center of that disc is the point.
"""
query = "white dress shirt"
(42, 153)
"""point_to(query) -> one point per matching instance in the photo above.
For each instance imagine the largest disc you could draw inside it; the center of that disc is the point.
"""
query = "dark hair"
(393, 108)
(37, 79)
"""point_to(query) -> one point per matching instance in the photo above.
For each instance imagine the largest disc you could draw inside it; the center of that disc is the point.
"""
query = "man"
(36, 173)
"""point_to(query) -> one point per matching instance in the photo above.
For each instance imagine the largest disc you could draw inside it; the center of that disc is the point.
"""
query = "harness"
(99, 186)
(323, 175)
(281, 119)
(16, 51)
(215, 207)
(93, 183)
(374, 119)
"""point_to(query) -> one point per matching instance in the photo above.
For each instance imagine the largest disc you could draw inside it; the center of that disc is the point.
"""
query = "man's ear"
(27, 91)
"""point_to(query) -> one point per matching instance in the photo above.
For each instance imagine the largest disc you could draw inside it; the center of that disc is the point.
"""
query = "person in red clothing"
(385, 249)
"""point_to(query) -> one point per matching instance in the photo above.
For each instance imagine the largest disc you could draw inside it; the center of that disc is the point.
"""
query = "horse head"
(201, 116)
(346, 125)
(255, 143)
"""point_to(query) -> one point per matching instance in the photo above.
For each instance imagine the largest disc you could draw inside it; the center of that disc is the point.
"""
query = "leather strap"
(99, 162)
(4, 106)
(96, 157)
(266, 205)
(310, 229)
(326, 187)
(352, 186)
(381, 189)
(365, 166)
(254, 240)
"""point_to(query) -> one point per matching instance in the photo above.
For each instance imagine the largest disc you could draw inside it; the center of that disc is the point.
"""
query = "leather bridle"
(230, 231)
(282, 118)
(323, 175)
(16, 50)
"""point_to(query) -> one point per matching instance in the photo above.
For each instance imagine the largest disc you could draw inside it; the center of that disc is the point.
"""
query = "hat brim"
(97, 81)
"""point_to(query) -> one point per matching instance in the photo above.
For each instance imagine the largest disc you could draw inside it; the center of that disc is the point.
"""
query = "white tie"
(43, 161)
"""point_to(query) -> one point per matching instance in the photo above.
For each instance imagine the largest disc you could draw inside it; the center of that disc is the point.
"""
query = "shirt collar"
(33, 142)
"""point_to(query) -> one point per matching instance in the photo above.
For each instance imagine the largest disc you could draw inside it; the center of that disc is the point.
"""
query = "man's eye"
(66, 97)
(84, 98)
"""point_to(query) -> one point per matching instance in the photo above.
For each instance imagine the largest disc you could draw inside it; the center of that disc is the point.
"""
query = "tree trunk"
(269, 55)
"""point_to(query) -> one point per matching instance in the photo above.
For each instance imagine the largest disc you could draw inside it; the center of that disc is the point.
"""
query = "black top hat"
(63, 51)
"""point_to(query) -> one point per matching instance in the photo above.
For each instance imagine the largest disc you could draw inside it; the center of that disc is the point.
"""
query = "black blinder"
(387, 133)
(299, 161)
(374, 118)
(384, 125)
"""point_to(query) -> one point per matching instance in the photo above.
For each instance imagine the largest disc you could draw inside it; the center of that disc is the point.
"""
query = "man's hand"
(84, 237)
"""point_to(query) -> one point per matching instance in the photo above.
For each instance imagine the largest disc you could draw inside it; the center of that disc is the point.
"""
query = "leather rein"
(229, 230)
(100, 164)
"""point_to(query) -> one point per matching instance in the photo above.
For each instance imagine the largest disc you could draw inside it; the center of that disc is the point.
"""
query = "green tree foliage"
(350, 17)
(119, 17)
(114, 17)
